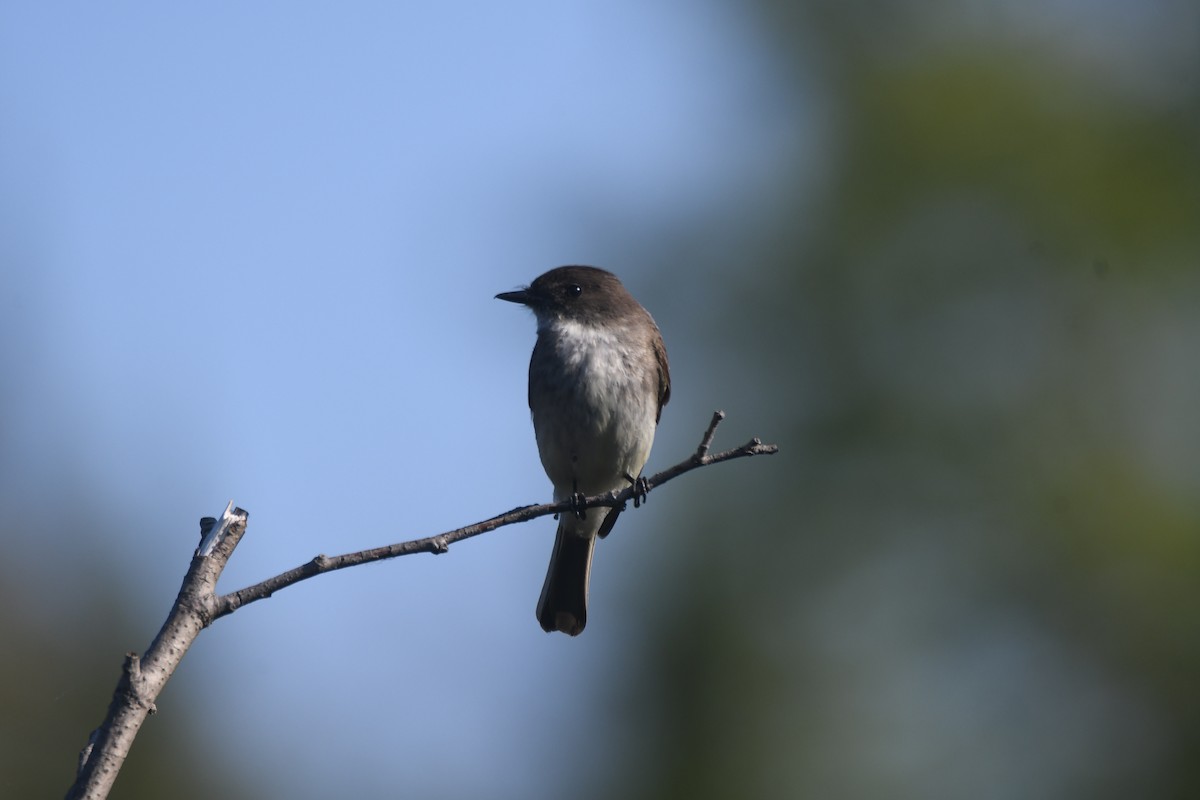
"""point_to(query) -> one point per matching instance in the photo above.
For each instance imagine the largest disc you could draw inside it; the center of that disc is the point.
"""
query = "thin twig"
(440, 543)
(706, 440)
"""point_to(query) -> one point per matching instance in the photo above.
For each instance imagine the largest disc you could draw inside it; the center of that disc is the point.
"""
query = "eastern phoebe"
(598, 380)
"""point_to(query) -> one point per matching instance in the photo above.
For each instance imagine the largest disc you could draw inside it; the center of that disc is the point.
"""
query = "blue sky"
(254, 248)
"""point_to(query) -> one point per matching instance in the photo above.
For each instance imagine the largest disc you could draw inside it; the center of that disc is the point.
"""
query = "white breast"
(602, 424)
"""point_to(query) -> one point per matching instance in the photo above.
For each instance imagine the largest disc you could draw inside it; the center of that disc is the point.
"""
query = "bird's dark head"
(582, 294)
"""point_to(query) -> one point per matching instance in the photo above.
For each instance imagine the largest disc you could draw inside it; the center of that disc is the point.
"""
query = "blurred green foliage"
(972, 571)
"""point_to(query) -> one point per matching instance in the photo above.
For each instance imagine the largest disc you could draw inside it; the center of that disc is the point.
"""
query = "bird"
(598, 381)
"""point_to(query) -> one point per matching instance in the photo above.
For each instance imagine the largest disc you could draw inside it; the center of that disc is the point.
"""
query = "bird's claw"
(579, 505)
(641, 488)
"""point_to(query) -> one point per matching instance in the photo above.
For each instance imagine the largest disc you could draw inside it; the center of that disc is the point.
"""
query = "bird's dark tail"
(564, 600)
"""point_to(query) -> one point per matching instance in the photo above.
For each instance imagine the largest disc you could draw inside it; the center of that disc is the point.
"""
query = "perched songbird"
(598, 380)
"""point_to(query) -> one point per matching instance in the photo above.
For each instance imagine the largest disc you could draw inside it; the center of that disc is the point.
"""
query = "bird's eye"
(574, 290)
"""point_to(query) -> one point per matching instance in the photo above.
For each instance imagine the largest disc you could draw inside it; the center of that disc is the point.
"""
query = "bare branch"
(143, 679)
(198, 604)
(442, 542)
(227, 604)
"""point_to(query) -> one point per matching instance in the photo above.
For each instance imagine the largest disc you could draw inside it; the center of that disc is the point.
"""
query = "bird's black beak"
(521, 296)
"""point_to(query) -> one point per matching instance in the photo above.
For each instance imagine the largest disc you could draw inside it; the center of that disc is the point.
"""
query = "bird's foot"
(579, 504)
(641, 488)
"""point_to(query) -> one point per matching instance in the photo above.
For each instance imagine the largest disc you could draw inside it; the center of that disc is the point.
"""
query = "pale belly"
(594, 414)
